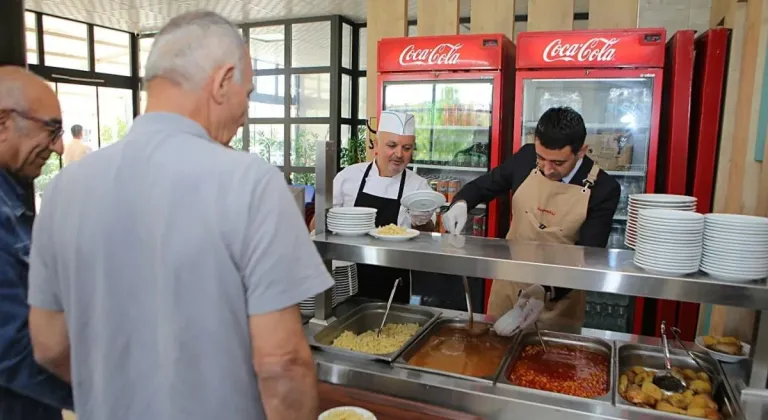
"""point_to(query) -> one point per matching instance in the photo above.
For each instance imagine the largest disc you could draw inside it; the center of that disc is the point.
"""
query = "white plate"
(352, 210)
(664, 271)
(667, 253)
(351, 226)
(410, 234)
(424, 200)
(663, 198)
(731, 276)
(349, 232)
(674, 215)
(740, 219)
(727, 358)
(367, 415)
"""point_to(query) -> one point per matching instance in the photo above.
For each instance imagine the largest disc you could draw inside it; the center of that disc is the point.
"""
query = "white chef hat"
(398, 123)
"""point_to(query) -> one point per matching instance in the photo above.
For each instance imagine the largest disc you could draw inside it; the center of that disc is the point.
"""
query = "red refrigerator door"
(706, 111)
(621, 111)
(673, 149)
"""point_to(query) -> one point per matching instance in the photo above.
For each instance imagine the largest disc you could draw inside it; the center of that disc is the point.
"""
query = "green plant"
(267, 146)
(354, 151)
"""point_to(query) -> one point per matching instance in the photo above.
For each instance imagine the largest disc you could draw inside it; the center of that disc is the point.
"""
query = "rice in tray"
(392, 338)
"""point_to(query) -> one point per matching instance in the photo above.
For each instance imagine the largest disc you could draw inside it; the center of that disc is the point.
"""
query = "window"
(346, 96)
(268, 97)
(30, 32)
(112, 50)
(310, 95)
(115, 114)
(304, 138)
(145, 46)
(268, 141)
(303, 178)
(267, 45)
(362, 92)
(346, 46)
(363, 48)
(66, 43)
(237, 141)
(311, 44)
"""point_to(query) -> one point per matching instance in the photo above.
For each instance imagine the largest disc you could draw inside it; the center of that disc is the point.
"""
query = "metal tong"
(712, 375)
(389, 304)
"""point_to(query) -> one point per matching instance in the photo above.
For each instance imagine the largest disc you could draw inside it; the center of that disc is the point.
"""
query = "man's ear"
(223, 78)
(583, 151)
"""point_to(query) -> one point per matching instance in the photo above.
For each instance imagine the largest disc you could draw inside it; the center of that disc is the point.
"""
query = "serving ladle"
(389, 304)
(472, 329)
(668, 381)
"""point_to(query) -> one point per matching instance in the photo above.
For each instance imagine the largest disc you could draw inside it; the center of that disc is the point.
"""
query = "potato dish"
(392, 338)
(636, 386)
(727, 345)
(344, 414)
(392, 230)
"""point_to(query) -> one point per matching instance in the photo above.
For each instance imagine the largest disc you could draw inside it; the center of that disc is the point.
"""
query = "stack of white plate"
(735, 247)
(351, 221)
(345, 275)
(639, 202)
(346, 285)
(669, 242)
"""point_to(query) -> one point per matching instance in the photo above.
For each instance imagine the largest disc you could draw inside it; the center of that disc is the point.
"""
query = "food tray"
(556, 338)
(652, 358)
(412, 350)
(368, 317)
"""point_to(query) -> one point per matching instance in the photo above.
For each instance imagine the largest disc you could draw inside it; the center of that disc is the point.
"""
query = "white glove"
(455, 218)
(420, 218)
(529, 306)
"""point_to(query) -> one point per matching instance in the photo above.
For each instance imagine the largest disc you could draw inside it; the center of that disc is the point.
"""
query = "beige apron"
(552, 212)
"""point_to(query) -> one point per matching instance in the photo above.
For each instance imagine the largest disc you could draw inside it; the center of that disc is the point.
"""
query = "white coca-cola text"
(596, 49)
(441, 54)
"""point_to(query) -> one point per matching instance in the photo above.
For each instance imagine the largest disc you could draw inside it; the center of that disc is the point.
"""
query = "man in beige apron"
(559, 196)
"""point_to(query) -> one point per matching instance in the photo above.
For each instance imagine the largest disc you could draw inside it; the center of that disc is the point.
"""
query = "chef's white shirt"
(347, 183)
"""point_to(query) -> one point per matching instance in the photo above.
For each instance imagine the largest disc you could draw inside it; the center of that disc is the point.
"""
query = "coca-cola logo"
(596, 49)
(440, 54)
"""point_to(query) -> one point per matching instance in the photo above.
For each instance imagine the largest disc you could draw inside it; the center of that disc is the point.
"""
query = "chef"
(560, 195)
(381, 184)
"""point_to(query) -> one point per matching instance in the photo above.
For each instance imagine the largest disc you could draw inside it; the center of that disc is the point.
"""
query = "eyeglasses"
(53, 126)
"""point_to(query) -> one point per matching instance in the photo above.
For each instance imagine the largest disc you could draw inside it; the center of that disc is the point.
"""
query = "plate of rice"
(347, 413)
(393, 232)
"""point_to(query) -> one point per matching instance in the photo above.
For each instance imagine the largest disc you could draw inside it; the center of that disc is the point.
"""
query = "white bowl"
(367, 415)
(673, 215)
(727, 358)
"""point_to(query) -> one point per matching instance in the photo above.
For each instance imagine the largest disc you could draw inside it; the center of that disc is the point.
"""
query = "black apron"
(376, 282)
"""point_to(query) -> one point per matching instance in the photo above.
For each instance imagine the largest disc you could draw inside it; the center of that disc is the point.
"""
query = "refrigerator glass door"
(453, 133)
(617, 114)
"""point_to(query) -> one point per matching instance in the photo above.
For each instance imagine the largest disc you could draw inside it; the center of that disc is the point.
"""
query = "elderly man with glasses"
(30, 130)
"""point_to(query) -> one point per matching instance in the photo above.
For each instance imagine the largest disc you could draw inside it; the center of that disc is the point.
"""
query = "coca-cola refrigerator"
(614, 79)
(460, 89)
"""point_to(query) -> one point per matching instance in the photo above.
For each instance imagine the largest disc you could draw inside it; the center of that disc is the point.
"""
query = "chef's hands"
(529, 306)
(455, 218)
(419, 218)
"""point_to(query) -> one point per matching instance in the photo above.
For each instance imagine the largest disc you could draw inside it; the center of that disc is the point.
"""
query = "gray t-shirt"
(157, 249)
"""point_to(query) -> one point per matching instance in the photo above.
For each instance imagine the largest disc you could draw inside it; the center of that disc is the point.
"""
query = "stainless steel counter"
(593, 269)
(482, 399)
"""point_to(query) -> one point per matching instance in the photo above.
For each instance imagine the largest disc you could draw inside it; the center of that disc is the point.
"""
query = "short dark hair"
(77, 130)
(560, 127)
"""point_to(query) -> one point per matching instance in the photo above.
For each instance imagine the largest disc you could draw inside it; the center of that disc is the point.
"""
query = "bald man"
(30, 130)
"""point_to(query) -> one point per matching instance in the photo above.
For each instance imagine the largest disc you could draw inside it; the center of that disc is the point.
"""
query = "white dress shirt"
(347, 183)
(567, 179)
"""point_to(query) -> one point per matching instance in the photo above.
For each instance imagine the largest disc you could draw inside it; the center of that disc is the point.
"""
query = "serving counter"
(591, 269)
